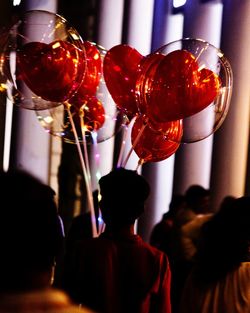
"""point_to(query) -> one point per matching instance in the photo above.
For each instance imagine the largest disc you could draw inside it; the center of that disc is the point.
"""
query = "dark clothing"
(161, 236)
(119, 275)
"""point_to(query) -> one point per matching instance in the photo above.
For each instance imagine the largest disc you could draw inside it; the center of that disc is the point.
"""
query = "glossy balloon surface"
(52, 71)
(152, 146)
(120, 68)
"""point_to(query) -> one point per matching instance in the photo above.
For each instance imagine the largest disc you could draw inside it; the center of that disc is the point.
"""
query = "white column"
(32, 142)
(139, 37)
(159, 174)
(46, 5)
(193, 161)
(109, 35)
(110, 24)
(232, 141)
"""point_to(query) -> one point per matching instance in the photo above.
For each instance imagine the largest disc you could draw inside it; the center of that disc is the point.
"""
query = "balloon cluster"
(178, 94)
(48, 68)
(85, 94)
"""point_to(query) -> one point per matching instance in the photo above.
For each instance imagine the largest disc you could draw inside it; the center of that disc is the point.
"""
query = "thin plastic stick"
(134, 144)
(85, 148)
(85, 175)
(86, 157)
(97, 163)
(140, 162)
(124, 138)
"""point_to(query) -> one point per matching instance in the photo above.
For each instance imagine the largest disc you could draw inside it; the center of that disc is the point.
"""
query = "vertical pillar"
(193, 161)
(31, 144)
(139, 33)
(160, 174)
(232, 140)
(5, 17)
(109, 34)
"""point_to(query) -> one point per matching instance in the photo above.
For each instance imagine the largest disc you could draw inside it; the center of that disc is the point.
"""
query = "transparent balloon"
(188, 80)
(43, 59)
(94, 113)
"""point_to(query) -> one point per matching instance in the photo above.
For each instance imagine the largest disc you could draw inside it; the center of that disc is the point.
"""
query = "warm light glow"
(48, 119)
(56, 45)
(3, 87)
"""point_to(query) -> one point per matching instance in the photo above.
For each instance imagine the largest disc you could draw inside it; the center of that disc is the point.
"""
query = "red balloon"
(148, 64)
(92, 111)
(179, 88)
(93, 71)
(119, 69)
(52, 71)
(172, 130)
(153, 146)
(92, 76)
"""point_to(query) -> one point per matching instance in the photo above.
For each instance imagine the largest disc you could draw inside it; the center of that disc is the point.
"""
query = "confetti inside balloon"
(44, 58)
(192, 81)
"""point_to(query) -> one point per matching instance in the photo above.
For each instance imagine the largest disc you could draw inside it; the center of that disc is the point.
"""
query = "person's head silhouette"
(198, 199)
(31, 232)
(123, 196)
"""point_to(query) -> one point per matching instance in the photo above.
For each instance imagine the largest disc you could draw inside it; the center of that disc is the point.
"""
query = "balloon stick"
(92, 212)
(124, 138)
(85, 175)
(134, 144)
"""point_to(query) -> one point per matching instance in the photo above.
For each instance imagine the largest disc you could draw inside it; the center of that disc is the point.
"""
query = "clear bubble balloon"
(44, 60)
(188, 80)
(94, 113)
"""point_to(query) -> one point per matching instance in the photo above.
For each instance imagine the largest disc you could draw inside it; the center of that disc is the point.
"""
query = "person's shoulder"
(74, 309)
(154, 251)
(54, 300)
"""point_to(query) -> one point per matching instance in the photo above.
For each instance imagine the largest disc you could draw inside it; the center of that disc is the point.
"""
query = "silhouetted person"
(118, 272)
(220, 280)
(188, 223)
(197, 202)
(163, 232)
(226, 202)
(31, 238)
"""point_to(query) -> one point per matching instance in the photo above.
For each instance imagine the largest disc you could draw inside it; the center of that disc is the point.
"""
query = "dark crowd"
(197, 260)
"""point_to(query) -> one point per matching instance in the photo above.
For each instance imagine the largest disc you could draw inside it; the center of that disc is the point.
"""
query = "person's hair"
(31, 232)
(176, 204)
(194, 195)
(123, 196)
(224, 241)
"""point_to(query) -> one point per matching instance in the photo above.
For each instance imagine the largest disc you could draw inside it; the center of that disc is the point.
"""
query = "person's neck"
(124, 230)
